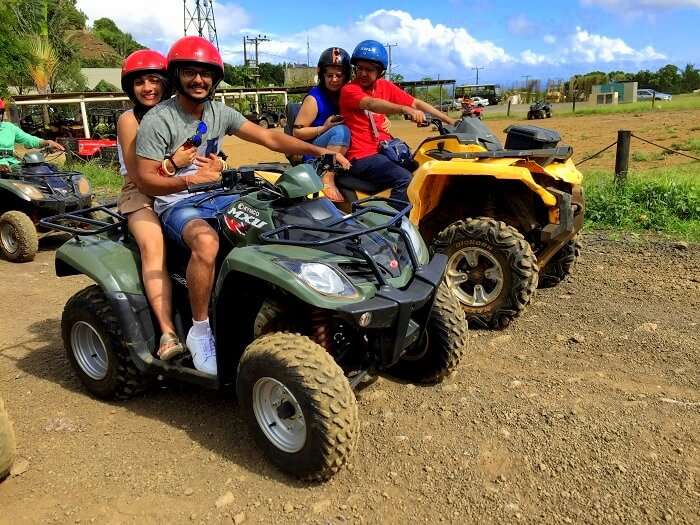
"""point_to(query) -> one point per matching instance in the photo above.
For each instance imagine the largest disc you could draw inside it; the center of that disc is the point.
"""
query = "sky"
(441, 40)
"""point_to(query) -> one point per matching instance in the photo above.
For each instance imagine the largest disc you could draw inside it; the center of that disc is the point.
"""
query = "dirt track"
(587, 409)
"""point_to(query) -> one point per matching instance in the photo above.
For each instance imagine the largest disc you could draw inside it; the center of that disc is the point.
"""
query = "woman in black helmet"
(318, 120)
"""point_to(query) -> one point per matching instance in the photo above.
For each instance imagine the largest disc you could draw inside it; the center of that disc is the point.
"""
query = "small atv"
(29, 192)
(308, 304)
(539, 109)
(507, 217)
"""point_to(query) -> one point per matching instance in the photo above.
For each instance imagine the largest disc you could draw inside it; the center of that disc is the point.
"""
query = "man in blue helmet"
(369, 96)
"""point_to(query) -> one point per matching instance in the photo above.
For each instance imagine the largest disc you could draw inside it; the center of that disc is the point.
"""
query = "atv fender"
(113, 266)
(8, 186)
(259, 262)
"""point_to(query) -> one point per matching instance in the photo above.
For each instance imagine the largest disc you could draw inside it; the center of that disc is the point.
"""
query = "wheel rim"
(279, 415)
(9, 239)
(89, 350)
(475, 276)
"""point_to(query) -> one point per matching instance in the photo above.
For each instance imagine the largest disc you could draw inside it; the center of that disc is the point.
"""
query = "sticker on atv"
(246, 214)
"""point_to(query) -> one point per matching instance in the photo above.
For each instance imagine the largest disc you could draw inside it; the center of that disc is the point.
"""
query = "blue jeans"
(384, 173)
(336, 136)
(176, 217)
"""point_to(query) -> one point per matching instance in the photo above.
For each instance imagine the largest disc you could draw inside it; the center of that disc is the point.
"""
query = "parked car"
(480, 101)
(648, 94)
(449, 105)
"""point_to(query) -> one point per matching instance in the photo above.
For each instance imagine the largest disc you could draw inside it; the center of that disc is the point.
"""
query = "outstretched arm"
(284, 143)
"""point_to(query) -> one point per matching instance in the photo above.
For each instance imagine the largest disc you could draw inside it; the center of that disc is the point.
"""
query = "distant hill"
(93, 51)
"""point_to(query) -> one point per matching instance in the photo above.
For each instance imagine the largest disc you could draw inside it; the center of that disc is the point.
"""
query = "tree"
(105, 87)
(691, 79)
(122, 42)
(234, 75)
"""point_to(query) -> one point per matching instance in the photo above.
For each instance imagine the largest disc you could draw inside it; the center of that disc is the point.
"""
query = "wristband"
(175, 166)
(164, 167)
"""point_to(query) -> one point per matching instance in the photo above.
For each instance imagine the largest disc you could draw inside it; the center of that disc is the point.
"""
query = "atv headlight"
(416, 241)
(321, 277)
(29, 190)
(82, 185)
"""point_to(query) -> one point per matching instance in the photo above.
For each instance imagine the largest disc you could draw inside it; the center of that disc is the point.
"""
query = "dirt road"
(586, 410)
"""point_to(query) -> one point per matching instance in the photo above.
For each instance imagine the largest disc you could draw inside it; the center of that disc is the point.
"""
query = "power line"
(389, 46)
(477, 69)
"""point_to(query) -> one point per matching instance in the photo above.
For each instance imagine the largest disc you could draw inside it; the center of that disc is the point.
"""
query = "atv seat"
(291, 112)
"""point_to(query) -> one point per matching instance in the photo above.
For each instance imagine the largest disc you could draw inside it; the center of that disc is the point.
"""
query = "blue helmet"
(372, 51)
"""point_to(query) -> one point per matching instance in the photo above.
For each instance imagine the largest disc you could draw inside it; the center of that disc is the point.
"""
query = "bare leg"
(145, 226)
(203, 240)
(329, 187)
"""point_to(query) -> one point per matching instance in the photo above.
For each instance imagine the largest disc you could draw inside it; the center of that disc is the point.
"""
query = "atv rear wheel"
(561, 264)
(264, 123)
(439, 351)
(7, 442)
(95, 347)
(298, 405)
(19, 241)
(491, 270)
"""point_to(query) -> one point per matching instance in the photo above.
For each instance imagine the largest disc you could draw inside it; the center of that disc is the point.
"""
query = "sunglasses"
(190, 74)
(196, 139)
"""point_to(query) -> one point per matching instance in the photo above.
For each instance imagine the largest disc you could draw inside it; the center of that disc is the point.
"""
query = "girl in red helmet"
(144, 80)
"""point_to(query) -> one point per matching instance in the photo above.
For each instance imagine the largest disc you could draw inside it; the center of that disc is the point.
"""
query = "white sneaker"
(203, 350)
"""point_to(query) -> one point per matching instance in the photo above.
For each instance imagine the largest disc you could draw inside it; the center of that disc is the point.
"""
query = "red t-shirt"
(363, 142)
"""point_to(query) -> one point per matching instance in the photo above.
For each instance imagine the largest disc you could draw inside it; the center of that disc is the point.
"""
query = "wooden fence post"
(508, 111)
(622, 155)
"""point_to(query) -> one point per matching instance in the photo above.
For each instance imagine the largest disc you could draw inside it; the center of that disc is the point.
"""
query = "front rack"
(78, 222)
(281, 235)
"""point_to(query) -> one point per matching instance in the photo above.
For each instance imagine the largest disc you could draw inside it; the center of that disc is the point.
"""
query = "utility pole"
(527, 87)
(389, 46)
(202, 18)
(477, 69)
(308, 52)
(250, 64)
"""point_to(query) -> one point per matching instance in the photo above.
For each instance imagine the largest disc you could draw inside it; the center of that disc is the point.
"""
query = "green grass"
(665, 200)
(689, 145)
(641, 156)
(105, 182)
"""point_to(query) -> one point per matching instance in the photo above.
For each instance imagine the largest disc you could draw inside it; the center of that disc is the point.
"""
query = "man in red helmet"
(196, 68)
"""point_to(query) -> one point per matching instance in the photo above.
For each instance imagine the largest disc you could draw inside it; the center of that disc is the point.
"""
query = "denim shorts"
(336, 136)
(177, 215)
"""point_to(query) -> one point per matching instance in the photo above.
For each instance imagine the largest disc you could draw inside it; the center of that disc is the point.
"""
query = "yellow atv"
(507, 217)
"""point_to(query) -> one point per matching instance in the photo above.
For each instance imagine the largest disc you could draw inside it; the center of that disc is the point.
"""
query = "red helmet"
(141, 62)
(195, 50)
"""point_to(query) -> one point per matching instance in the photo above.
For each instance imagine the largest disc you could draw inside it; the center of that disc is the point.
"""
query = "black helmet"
(335, 56)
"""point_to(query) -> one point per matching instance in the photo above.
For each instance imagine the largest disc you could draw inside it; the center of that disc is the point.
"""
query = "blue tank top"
(326, 106)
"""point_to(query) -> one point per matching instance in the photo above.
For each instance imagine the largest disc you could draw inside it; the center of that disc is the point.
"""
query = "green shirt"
(11, 135)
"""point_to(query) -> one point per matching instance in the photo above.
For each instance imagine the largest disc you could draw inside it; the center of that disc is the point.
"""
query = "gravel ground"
(586, 410)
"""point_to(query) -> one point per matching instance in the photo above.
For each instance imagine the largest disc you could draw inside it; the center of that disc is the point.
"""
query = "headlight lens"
(416, 240)
(83, 185)
(29, 190)
(320, 277)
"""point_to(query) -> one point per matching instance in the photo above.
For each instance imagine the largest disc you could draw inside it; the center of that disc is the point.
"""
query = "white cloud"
(639, 5)
(590, 48)
(160, 22)
(534, 59)
(549, 39)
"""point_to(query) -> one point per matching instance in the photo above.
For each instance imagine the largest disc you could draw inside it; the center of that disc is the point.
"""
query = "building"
(614, 93)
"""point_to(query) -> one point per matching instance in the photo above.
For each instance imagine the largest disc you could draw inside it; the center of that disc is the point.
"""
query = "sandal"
(170, 346)
(329, 188)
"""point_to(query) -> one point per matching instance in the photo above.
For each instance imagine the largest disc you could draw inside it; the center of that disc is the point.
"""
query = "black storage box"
(530, 137)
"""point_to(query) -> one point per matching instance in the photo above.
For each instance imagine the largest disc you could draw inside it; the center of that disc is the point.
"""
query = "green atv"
(29, 192)
(308, 304)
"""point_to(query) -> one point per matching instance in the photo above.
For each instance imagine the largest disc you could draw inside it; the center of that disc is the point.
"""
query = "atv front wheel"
(491, 270)
(19, 241)
(298, 405)
(7, 442)
(95, 347)
(440, 349)
(264, 123)
(561, 264)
